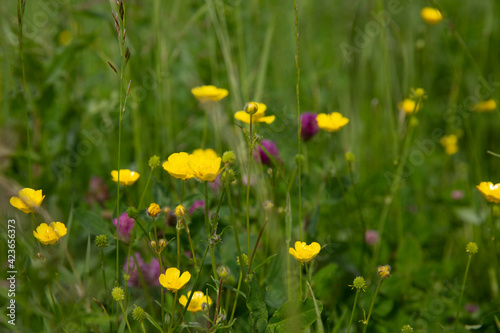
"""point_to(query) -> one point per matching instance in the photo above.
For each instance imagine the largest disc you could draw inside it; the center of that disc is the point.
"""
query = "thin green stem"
(145, 189)
(300, 281)
(371, 306)
(242, 271)
(191, 246)
(161, 291)
(209, 234)
(249, 175)
(177, 230)
(104, 276)
(353, 309)
(462, 291)
(173, 312)
(142, 326)
(125, 316)
(299, 120)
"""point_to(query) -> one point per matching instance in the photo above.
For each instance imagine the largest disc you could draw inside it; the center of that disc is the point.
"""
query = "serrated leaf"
(293, 313)
(257, 307)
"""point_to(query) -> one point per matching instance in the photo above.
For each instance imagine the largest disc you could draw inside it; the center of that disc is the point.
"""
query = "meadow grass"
(382, 190)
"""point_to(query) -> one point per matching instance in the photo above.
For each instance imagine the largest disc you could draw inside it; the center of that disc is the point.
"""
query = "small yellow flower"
(209, 93)
(154, 209)
(50, 234)
(177, 166)
(417, 93)
(449, 142)
(204, 166)
(489, 191)
(485, 106)
(208, 153)
(331, 122)
(196, 301)
(431, 15)
(303, 252)
(28, 201)
(173, 280)
(384, 271)
(127, 177)
(409, 106)
(257, 117)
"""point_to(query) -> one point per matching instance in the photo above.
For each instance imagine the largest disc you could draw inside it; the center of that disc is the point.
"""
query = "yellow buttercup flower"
(257, 117)
(197, 301)
(205, 166)
(177, 166)
(173, 280)
(490, 191)
(127, 177)
(485, 106)
(409, 106)
(331, 122)
(209, 93)
(304, 252)
(209, 153)
(417, 93)
(449, 142)
(50, 234)
(28, 201)
(431, 15)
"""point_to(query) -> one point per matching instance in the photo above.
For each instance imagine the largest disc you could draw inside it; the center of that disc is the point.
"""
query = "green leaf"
(97, 224)
(294, 313)
(257, 307)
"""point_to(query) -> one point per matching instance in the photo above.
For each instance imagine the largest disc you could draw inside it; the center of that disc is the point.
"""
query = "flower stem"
(373, 302)
(161, 291)
(353, 308)
(299, 120)
(145, 189)
(242, 272)
(104, 276)
(462, 291)
(125, 316)
(249, 175)
(209, 233)
(173, 312)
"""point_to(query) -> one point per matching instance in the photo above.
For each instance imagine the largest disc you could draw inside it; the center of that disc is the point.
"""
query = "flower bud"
(245, 260)
(407, 329)
(154, 210)
(180, 211)
(384, 271)
(349, 157)
(358, 283)
(162, 243)
(228, 176)
(152, 244)
(223, 271)
(251, 107)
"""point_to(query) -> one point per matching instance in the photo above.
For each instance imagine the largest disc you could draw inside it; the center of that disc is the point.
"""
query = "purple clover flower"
(126, 226)
(309, 125)
(260, 155)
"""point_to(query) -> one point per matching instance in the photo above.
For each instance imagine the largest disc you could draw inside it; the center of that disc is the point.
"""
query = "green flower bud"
(472, 248)
(223, 271)
(407, 329)
(228, 176)
(349, 157)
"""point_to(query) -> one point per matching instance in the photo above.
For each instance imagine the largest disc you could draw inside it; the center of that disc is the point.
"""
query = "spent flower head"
(472, 248)
(138, 313)
(228, 157)
(154, 161)
(118, 294)
(101, 241)
(132, 212)
(407, 329)
(358, 283)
